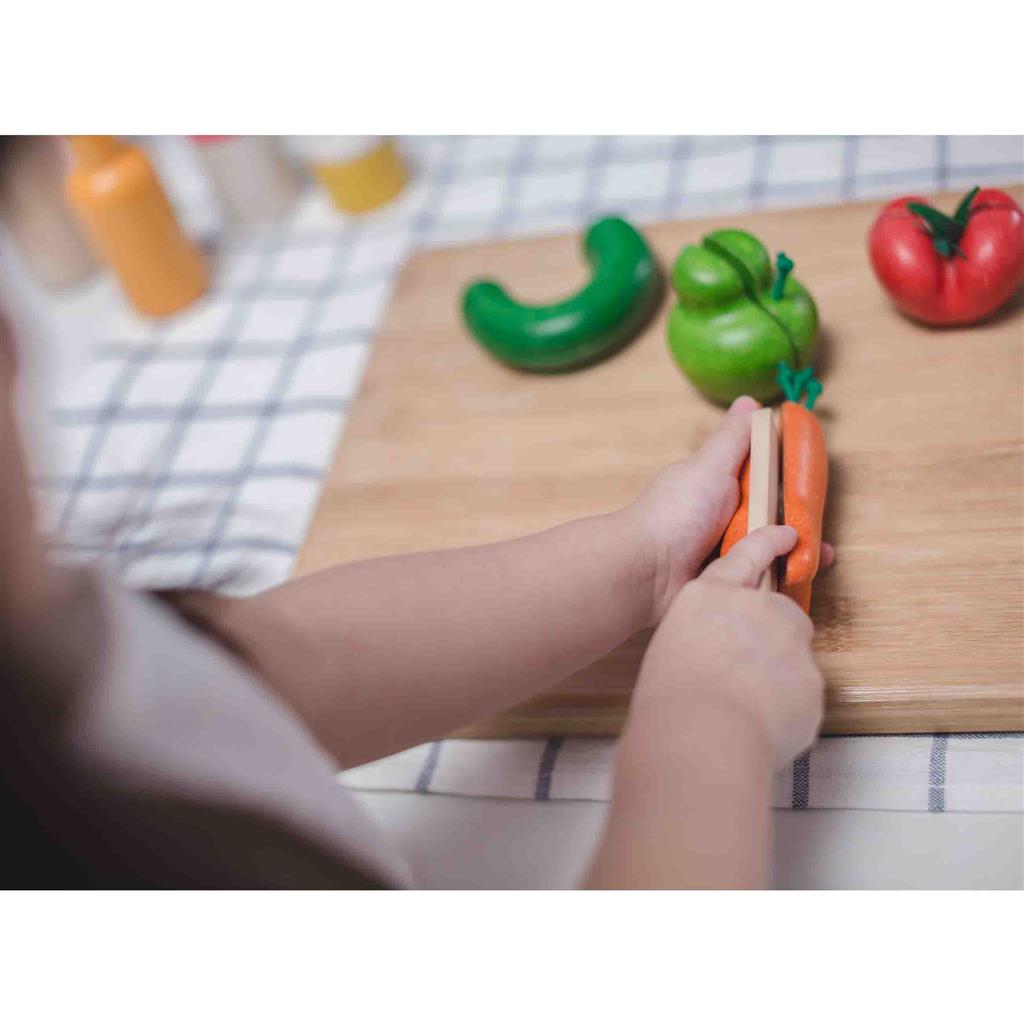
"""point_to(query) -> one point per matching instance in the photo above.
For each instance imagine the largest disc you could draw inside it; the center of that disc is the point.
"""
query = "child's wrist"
(679, 729)
(647, 569)
(671, 557)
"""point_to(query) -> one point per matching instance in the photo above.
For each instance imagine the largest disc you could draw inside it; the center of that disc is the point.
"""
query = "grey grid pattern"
(178, 445)
(191, 452)
(959, 772)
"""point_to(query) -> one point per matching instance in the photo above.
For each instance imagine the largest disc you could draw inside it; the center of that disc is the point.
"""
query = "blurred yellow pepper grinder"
(116, 194)
(359, 172)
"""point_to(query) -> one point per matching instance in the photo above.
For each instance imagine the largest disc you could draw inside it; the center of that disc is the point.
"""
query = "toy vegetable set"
(743, 323)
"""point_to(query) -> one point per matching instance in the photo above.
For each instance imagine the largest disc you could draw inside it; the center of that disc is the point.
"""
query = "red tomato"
(945, 270)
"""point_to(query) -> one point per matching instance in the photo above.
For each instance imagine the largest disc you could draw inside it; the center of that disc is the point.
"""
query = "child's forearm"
(691, 804)
(379, 655)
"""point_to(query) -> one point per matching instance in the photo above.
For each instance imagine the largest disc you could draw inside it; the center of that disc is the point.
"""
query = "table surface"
(191, 452)
(926, 494)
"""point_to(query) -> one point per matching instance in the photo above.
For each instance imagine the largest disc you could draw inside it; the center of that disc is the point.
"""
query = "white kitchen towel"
(190, 451)
(954, 772)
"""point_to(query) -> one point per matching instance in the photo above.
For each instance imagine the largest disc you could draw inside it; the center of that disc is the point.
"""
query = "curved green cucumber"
(622, 294)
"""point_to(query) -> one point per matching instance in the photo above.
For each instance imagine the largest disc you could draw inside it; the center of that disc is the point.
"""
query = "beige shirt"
(201, 768)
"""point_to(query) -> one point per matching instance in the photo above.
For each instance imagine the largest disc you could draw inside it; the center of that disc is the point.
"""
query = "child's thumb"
(728, 446)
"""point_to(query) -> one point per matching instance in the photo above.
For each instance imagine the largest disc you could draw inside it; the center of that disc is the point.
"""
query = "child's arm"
(728, 692)
(377, 656)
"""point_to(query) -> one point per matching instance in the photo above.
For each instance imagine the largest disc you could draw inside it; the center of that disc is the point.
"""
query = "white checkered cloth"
(192, 450)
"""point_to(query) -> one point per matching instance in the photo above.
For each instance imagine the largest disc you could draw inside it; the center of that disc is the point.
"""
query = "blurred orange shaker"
(116, 194)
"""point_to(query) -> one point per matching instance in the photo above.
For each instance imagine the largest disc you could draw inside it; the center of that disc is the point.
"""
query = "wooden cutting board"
(919, 624)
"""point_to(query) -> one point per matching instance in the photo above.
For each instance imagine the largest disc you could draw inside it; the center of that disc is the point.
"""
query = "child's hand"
(728, 690)
(727, 647)
(686, 508)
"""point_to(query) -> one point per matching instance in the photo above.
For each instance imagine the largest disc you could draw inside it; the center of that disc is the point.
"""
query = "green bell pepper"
(737, 321)
(619, 299)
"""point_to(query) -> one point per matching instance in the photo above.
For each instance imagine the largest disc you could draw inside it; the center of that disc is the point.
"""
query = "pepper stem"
(783, 266)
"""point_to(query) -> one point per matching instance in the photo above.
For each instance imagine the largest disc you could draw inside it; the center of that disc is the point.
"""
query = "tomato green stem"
(946, 231)
(963, 211)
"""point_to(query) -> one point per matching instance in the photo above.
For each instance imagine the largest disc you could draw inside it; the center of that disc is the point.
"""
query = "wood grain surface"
(919, 624)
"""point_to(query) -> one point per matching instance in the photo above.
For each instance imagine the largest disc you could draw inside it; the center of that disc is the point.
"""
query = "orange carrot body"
(737, 528)
(804, 485)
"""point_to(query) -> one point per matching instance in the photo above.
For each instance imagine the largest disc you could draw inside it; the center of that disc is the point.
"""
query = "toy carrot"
(737, 528)
(804, 485)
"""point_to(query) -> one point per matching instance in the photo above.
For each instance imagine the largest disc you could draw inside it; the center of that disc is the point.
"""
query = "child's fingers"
(727, 447)
(750, 558)
(743, 404)
(828, 555)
